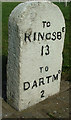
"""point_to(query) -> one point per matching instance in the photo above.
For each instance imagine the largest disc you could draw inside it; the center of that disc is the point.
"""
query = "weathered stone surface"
(36, 39)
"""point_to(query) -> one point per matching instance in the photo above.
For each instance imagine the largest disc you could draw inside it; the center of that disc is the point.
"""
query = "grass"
(67, 46)
(7, 7)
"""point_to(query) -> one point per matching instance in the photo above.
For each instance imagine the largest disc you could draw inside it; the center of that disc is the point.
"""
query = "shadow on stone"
(4, 77)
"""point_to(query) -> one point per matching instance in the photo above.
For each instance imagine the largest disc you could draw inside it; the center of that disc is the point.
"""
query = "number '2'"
(42, 93)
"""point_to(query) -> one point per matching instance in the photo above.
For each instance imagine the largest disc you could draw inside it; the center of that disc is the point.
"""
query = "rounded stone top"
(31, 9)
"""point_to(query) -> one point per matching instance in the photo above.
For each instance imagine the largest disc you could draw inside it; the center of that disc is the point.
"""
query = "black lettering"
(48, 77)
(34, 84)
(42, 93)
(55, 77)
(59, 35)
(47, 50)
(48, 36)
(26, 85)
(42, 50)
(41, 81)
(47, 53)
(59, 71)
(43, 23)
(54, 35)
(41, 69)
(27, 36)
(48, 24)
(34, 36)
(40, 35)
(63, 29)
(46, 68)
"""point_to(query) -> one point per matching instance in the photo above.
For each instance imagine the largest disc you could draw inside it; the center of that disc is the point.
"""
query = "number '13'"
(43, 49)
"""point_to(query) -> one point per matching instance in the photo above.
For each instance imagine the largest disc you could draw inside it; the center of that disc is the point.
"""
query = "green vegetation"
(7, 7)
(67, 46)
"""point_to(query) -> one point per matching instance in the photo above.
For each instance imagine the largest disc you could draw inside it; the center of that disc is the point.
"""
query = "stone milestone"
(36, 40)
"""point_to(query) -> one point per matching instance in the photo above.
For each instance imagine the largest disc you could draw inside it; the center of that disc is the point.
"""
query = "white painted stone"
(25, 58)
